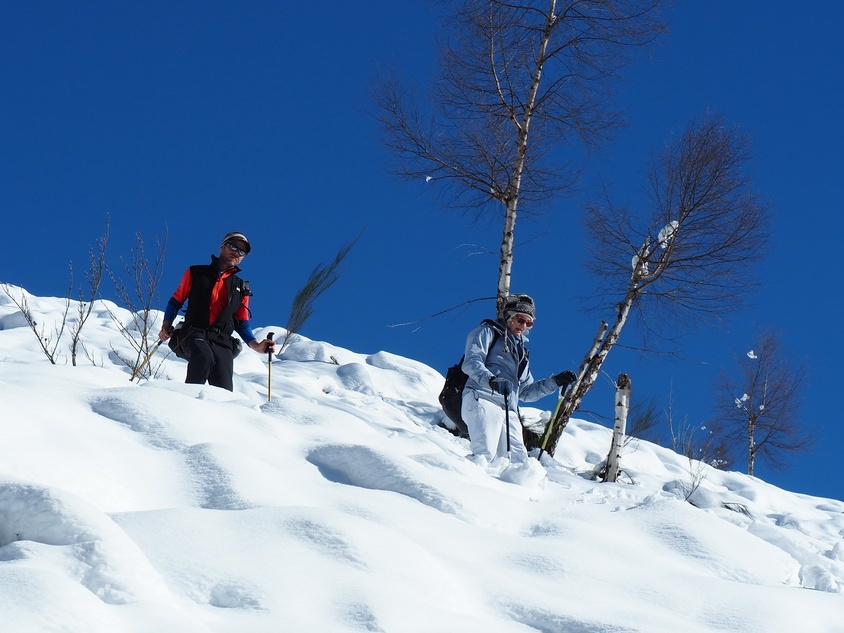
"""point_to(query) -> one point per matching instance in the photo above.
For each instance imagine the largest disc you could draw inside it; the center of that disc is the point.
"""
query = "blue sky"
(201, 118)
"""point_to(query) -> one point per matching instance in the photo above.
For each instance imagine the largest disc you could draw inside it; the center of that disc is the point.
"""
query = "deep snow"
(341, 506)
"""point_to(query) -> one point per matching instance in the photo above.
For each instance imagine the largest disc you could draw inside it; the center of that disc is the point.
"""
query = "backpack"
(451, 396)
(178, 341)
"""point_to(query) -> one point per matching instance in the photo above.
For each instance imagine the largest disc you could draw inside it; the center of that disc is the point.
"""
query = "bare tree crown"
(516, 80)
(758, 405)
(690, 255)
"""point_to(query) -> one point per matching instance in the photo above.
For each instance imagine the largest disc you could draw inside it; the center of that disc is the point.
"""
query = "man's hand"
(165, 331)
(263, 347)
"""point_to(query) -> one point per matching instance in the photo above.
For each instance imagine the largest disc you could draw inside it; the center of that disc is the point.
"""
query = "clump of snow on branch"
(667, 233)
(640, 264)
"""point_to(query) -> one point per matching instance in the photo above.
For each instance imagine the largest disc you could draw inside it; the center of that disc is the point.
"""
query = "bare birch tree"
(689, 258)
(758, 407)
(139, 298)
(517, 79)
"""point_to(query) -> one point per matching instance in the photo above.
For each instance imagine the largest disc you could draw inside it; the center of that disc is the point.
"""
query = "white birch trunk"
(622, 408)
(522, 126)
(591, 365)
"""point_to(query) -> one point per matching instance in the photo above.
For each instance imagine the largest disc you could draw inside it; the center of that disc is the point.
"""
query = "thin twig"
(441, 312)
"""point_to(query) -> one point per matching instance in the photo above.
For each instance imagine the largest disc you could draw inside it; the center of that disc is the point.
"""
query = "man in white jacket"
(496, 362)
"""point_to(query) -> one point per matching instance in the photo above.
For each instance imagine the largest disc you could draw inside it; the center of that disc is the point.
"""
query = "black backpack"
(451, 396)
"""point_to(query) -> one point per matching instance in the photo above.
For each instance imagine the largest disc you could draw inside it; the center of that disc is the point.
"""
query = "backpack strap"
(497, 332)
(500, 331)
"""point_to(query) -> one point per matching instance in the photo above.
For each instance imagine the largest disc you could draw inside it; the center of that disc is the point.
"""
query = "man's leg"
(201, 360)
(223, 367)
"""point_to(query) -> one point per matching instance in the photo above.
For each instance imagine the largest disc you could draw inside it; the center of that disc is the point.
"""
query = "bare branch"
(85, 303)
(320, 280)
(48, 342)
(139, 299)
(441, 312)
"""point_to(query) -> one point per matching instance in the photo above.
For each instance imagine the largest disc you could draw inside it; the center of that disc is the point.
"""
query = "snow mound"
(340, 504)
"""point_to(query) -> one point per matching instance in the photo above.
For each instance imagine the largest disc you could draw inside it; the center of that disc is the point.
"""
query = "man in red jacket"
(218, 304)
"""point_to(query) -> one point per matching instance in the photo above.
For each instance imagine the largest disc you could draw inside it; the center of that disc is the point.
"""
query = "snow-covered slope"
(341, 505)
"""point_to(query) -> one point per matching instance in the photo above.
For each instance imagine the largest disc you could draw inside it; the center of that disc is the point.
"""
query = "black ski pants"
(211, 361)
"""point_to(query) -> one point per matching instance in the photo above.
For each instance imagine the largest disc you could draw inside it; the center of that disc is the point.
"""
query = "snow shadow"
(357, 465)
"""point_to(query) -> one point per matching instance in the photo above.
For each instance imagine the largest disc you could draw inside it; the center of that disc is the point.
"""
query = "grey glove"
(564, 379)
(501, 385)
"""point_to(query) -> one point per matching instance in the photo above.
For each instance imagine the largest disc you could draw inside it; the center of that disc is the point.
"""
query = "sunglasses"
(240, 252)
(523, 321)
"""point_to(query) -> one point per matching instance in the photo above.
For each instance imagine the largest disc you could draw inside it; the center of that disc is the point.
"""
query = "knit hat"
(234, 235)
(519, 304)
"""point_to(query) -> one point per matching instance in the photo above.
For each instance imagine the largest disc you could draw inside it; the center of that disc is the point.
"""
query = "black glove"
(501, 385)
(565, 378)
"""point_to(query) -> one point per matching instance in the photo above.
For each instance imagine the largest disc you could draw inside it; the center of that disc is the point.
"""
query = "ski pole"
(146, 360)
(547, 435)
(270, 369)
(507, 421)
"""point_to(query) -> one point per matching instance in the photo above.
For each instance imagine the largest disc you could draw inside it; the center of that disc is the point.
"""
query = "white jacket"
(506, 358)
